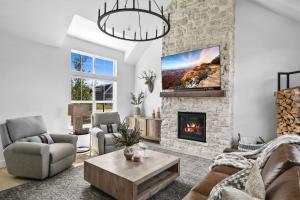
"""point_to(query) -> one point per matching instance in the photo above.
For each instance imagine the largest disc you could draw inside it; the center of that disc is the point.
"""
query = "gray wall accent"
(201, 24)
(266, 43)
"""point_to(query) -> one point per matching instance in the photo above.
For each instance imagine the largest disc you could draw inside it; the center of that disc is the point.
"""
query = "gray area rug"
(71, 185)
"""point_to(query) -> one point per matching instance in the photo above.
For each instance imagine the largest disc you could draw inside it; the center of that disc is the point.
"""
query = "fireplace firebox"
(192, 126)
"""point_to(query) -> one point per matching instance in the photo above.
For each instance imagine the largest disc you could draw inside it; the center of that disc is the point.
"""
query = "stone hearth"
(198, 24)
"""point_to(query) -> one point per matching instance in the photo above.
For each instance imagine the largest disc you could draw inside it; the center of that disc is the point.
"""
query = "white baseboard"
(2, 164)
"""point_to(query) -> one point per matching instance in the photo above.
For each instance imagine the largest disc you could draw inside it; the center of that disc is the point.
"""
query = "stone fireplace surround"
(199, 24)
(218, 125)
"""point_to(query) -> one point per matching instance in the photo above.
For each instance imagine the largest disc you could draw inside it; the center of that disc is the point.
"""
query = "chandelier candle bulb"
(149, 5)
(146, 35)
(133, 3)
(117, 4)
(156, 33)
(135, 35)
(169, 17)
(123, 33)
(105, 7)
(113, 30)
(99, 13)
(162, 10)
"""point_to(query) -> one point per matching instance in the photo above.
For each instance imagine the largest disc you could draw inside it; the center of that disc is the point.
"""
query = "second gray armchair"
(102, 141)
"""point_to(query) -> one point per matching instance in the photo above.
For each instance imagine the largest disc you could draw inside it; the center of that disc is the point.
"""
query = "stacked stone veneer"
(197, 24)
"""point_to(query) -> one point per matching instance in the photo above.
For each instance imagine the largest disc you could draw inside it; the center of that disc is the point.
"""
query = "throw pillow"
(255, 186)
(248, 181)
(43, 138)
(230, 193)
(109, 128)
(23, 140)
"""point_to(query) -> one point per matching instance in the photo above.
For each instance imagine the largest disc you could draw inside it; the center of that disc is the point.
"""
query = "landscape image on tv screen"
(199, 69)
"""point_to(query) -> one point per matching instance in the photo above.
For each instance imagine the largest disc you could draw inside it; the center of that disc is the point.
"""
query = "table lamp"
(77, 112)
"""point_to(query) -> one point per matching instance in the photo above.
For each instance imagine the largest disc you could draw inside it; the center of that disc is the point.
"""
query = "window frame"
(94, 77)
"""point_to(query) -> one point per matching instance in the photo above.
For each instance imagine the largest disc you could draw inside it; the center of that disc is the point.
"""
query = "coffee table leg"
(134, 192)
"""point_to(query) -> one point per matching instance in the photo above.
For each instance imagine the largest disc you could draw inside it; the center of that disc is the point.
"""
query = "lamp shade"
(78, 110)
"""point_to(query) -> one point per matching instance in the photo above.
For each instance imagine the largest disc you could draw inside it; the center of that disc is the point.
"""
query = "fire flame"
(192, 127)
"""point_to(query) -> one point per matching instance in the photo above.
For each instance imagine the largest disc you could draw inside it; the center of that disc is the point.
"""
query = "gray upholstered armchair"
(102, 141)
(33, 159)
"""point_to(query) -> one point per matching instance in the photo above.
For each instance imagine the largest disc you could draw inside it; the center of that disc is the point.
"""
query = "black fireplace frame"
(191, 137)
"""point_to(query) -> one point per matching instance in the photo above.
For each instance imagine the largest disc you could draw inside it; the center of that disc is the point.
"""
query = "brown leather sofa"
(281, 176)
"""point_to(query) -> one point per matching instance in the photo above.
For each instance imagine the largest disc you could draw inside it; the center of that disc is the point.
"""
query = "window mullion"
(94, 97)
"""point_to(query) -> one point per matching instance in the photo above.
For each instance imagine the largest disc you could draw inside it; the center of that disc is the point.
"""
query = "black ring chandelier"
(104, 16)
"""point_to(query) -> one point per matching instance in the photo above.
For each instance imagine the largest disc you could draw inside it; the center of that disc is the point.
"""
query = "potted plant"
(137, 101)
(128, 138)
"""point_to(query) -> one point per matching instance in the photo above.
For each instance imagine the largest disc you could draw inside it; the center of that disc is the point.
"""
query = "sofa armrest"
(64, 138)
(28, 148)
(98, 140)
(97, 132)
(27, 159)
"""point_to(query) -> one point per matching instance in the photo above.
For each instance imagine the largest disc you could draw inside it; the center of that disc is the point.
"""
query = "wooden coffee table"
(126, 180)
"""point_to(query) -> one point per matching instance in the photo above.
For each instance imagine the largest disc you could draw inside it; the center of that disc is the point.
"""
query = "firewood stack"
(288, 111)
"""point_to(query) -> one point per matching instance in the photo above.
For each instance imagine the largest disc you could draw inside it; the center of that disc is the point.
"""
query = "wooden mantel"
(207, 93)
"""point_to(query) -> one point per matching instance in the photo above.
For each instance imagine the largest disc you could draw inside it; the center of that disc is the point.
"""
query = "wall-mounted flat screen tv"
(198, 69)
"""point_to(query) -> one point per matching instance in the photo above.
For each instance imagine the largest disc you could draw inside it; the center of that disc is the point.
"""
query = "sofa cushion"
(59, 151)
(283, 158)
(286, 186)
(225, 169)
(211, 179)
(109, 139)
(192, 195)
(25, 127)
(106, 118)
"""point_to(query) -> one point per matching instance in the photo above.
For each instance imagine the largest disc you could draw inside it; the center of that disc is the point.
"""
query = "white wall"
(35, 80)
(266, 43)
(150, 60)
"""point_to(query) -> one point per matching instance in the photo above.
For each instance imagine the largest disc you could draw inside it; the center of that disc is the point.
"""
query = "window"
(93, 82)
(81, 63)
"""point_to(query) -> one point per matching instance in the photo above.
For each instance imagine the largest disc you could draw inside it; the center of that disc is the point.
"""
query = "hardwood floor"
(8, 181)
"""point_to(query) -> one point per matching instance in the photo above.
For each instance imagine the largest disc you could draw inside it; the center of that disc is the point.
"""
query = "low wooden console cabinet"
(149, 127)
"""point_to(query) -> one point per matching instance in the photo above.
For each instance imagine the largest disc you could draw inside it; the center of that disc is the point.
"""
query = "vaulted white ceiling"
(48, 21)
(288, 8)
(40, 20)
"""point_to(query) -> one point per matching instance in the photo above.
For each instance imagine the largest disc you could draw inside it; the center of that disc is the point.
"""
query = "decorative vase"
(137, 110)
(128, 152)
(153, 114)
(137, 156)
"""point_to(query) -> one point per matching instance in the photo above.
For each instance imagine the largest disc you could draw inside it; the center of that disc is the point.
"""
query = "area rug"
(71, 185)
